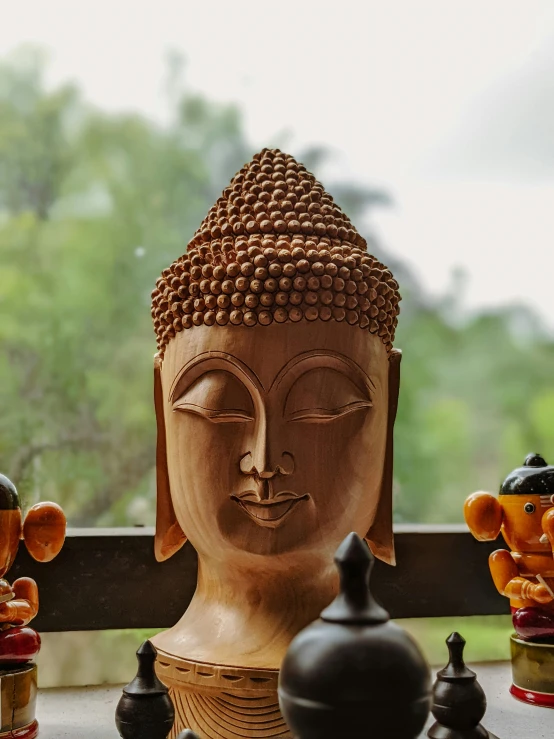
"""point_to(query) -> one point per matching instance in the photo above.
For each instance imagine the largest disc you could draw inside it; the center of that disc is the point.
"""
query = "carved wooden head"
(276, 381)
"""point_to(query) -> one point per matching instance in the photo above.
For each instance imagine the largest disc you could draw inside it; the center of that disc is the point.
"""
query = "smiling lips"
(270, 513)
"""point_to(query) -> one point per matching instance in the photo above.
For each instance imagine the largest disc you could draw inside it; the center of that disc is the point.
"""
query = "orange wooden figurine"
(43, 531)
(524, 512)
(276, 387)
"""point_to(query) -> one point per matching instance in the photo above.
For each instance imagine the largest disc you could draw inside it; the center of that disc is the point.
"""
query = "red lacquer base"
(545, 700)
(25, 732)
(18, 645)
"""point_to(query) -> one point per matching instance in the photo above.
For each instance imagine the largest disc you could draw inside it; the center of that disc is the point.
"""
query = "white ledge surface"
(88, 713)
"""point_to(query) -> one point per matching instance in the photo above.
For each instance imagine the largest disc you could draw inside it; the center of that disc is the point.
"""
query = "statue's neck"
(246, 616)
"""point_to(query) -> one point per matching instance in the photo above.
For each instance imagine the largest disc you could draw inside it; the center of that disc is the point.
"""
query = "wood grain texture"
(221, 702)
(277, 443)
(292, 425)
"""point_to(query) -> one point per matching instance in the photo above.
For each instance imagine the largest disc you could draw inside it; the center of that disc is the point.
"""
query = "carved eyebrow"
(330, 359)
(215, 360)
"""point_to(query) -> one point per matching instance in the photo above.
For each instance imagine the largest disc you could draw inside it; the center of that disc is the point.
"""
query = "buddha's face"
(275, 435)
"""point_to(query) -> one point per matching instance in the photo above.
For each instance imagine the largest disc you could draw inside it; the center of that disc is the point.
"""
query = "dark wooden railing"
(109, 579)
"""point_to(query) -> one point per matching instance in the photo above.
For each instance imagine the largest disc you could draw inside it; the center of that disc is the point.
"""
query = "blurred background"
(120, 123)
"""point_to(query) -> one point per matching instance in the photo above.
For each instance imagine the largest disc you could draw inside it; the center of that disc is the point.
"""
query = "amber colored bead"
(280, 315)
(210, 301)
(289, 270)
(223, 301)
(295, 297)
(339, 314)
(265, 317)
(310, 298)
(299, 283)
(237, 299)
(271, 285)
(325, 313)
(295, 314)
(351, 302)
(251, 300)
(256, 286)
(198, 318)
(209, 318)
(281, 298)
(250, 318)
(236, 317)
(242, 284)
(285, 283)
(247, 269)
(352, 317)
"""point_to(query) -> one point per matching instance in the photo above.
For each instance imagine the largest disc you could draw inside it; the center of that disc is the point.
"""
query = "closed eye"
(324, 394)
(217, 396)
(230, 415)
(323, 415)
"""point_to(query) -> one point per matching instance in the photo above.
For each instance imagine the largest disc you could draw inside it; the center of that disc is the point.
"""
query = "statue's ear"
(169, 535)
(380, 537)
(483, 514)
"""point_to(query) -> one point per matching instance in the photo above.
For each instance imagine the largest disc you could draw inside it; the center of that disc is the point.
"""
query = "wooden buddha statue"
(276, 389)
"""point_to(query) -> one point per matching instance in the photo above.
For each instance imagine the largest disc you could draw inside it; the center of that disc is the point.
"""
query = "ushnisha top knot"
(275, 247)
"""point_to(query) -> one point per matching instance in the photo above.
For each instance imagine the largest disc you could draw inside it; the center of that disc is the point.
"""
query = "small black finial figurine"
(353, 672)
(459, 702)
(145, 710)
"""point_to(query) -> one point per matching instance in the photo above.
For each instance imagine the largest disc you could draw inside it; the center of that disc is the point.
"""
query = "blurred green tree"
(92, 208)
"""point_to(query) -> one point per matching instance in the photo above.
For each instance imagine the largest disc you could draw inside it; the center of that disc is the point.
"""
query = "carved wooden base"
(18, 694)
(221, 702)
(533, 672)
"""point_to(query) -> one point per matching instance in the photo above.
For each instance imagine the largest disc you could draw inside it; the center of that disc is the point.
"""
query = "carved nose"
(248, 467)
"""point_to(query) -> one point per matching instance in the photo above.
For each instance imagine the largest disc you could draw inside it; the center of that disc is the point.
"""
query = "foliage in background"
(93, 206)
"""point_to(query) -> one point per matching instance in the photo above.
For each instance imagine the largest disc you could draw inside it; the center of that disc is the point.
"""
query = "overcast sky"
(447, 105)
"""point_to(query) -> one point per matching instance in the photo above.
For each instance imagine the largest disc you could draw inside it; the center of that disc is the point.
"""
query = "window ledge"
(88, 713)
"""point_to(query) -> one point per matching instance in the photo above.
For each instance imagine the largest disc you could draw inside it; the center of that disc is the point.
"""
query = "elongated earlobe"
(169, 535)
(380, 537)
